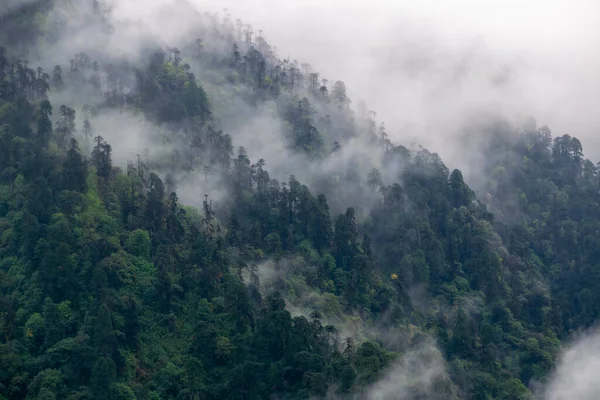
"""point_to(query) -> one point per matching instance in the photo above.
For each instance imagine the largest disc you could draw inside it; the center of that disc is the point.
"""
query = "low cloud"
(576, 375)
(428, 66)
(419, 374)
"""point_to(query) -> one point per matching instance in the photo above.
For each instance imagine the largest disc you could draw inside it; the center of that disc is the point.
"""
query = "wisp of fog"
(428, 66)
(575, 377)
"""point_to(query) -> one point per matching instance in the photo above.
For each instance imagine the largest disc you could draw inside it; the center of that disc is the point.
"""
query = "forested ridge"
(380, 277)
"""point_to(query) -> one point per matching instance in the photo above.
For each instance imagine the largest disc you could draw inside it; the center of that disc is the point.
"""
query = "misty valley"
(186, 212)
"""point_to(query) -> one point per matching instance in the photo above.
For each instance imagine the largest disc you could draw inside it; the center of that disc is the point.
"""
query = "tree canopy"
(111, 287)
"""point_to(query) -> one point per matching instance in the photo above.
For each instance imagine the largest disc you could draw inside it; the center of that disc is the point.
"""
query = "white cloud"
(576, 375)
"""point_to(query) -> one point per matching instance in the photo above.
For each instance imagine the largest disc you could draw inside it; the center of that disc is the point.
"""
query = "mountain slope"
(382, 260)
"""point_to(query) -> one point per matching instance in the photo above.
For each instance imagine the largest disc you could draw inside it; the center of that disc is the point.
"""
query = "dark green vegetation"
(112, 289)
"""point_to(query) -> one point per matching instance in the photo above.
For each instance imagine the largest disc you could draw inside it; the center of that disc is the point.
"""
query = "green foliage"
(111, 289)
(138, 243)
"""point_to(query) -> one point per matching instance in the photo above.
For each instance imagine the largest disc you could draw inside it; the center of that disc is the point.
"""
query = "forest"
(359, 268)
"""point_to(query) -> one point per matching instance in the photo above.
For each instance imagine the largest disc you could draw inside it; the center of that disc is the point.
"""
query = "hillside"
(190, 216)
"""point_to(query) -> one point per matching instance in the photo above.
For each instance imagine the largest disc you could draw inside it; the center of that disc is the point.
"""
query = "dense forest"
(341, 273)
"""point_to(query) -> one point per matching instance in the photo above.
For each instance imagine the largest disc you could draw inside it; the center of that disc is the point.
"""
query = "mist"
(575, 376)
(428, 67)
(421, 373)
(419, 369)
(436, 72)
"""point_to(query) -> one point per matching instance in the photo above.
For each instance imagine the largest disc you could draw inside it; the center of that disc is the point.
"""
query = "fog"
(427, 66)
(419, 369)
(575, 376)
(421, 373)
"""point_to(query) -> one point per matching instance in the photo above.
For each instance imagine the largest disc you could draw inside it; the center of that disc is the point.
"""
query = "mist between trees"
(188, 212)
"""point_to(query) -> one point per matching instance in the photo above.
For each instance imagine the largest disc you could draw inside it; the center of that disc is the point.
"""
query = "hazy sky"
(424, 65)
